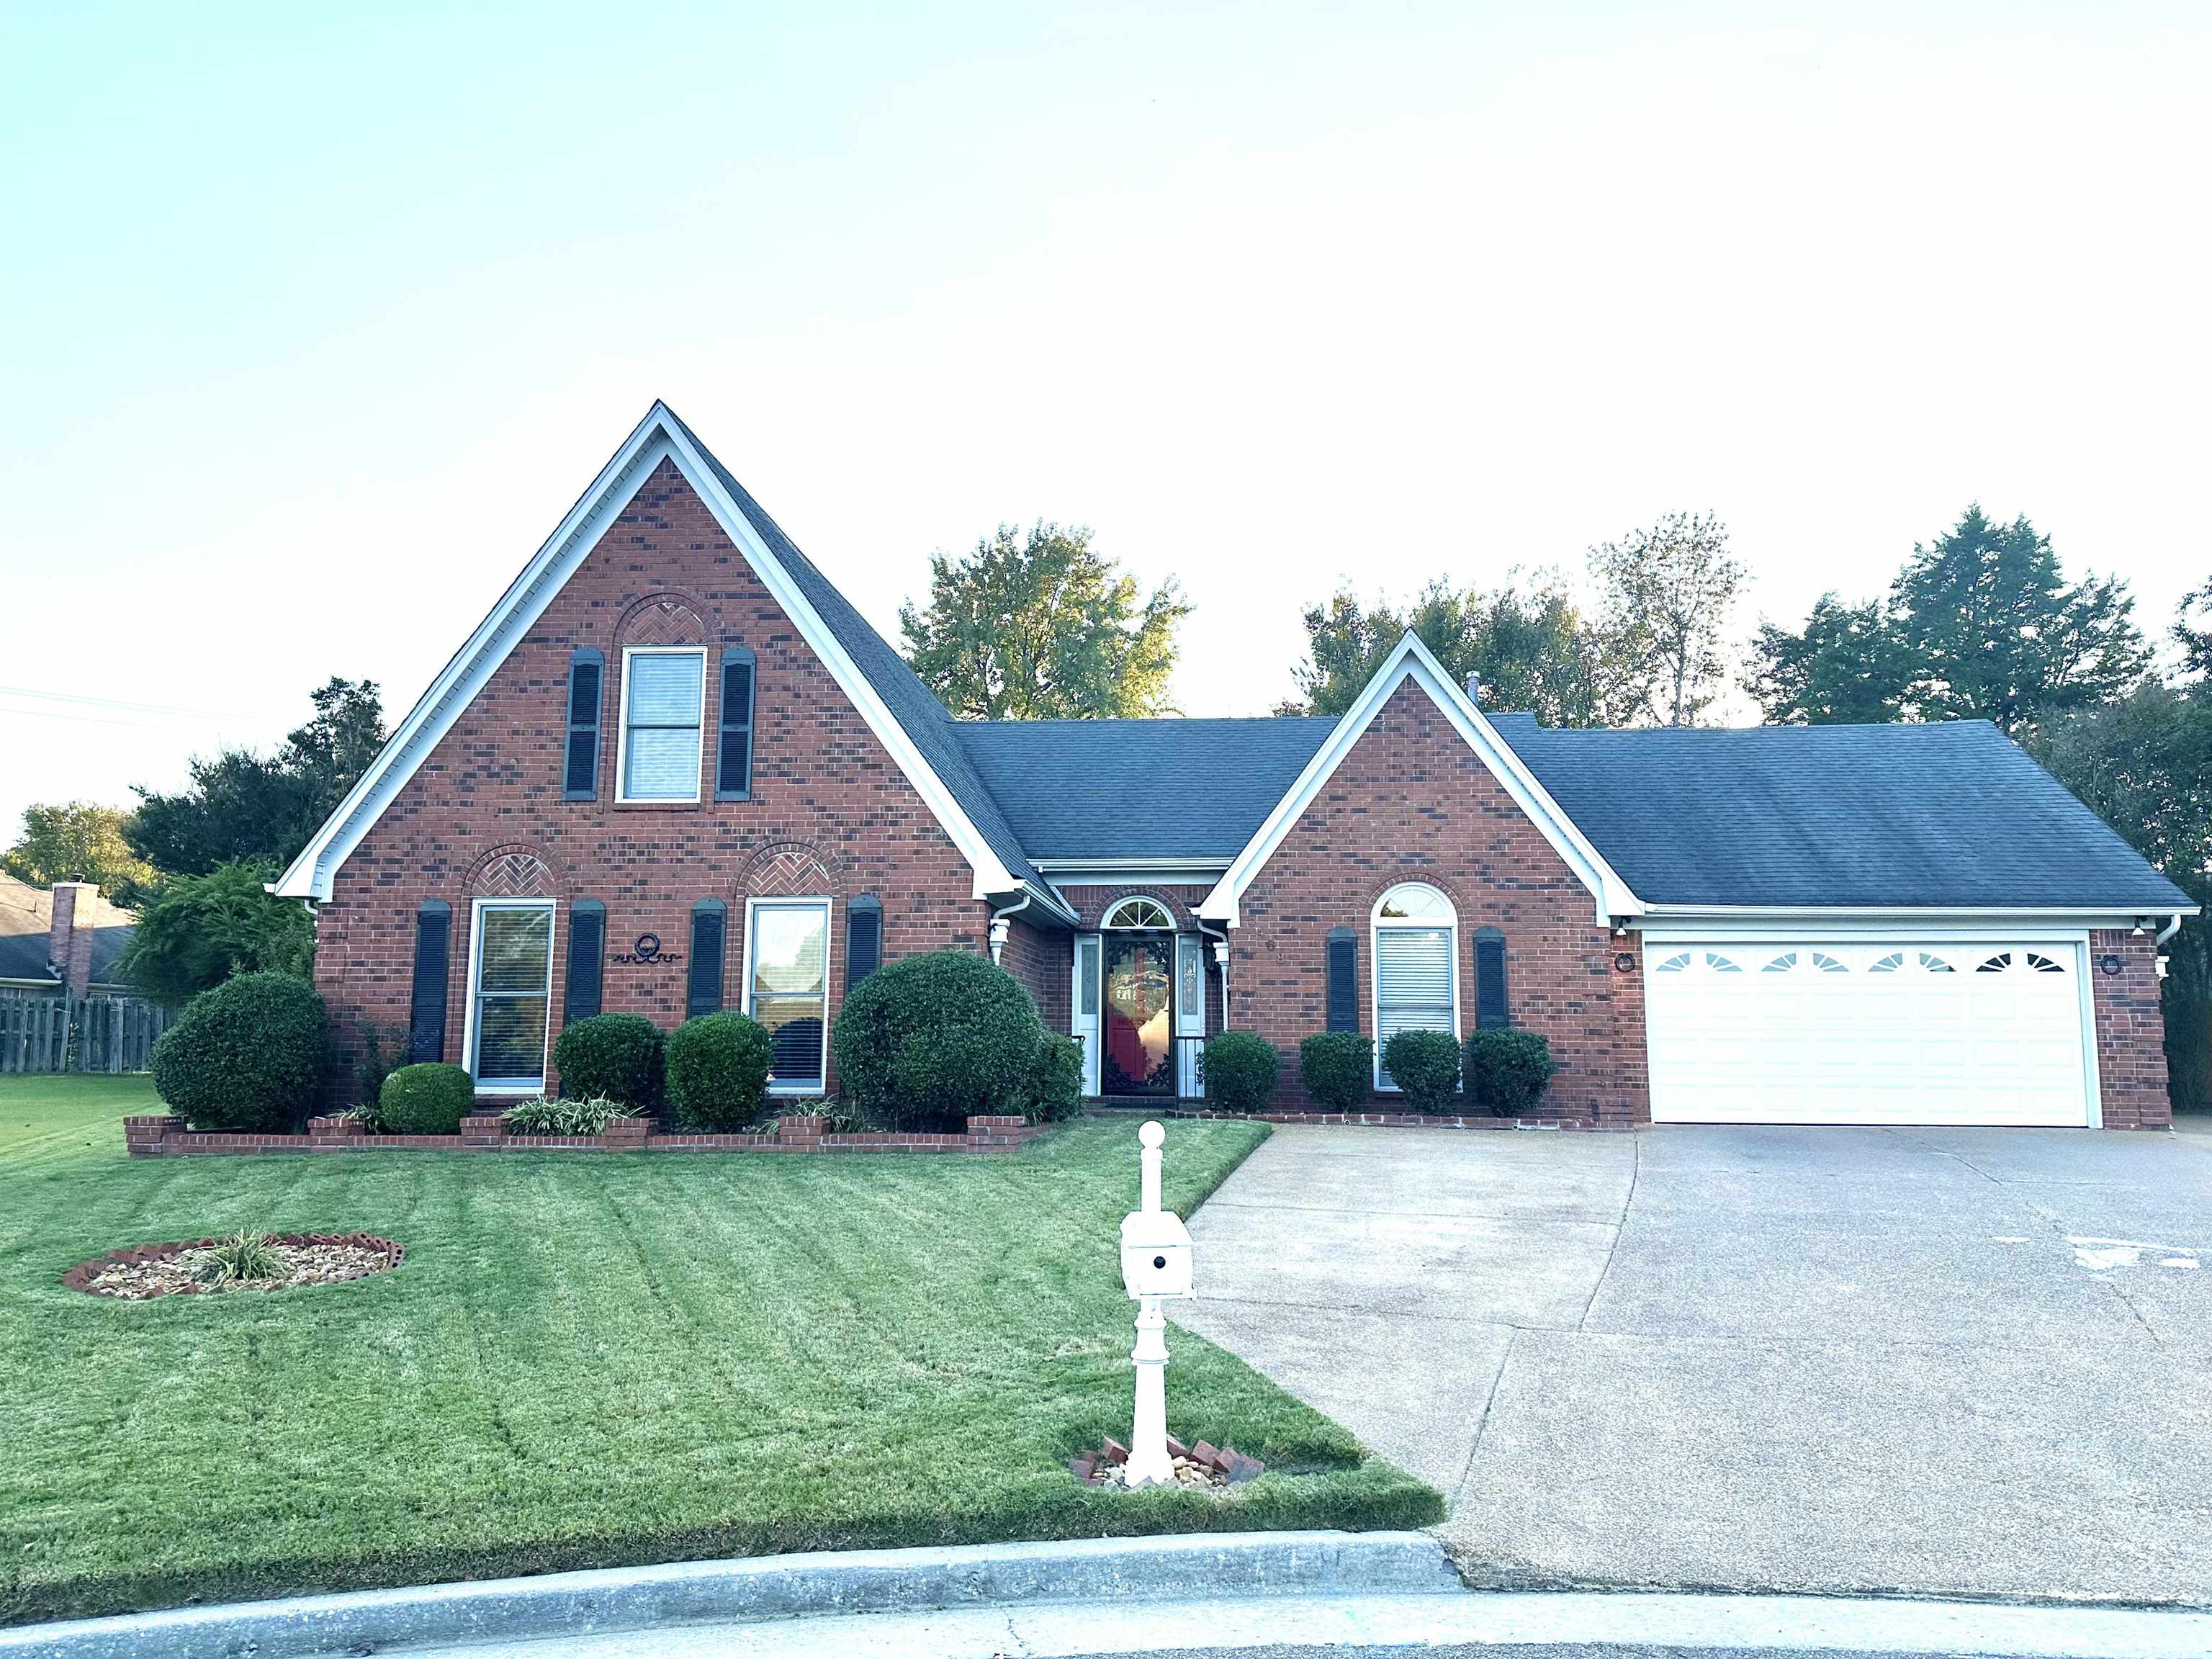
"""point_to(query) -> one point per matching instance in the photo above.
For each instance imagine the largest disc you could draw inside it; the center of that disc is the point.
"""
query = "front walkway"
(1974, 1362)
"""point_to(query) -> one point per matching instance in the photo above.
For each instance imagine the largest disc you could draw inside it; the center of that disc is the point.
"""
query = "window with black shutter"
(733, 767)
(587, 957)
(1343, 979)
(579, 778)
(425, 1012)
(708, 917)
(864, 939)
(1490, 978)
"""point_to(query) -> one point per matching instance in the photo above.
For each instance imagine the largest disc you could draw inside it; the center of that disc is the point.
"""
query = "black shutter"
(1343, 979)
(864, 939)
(425, 1012)
(587, 960)
(1490, 978)
(706, 986)
(580, 779)
(733, 768)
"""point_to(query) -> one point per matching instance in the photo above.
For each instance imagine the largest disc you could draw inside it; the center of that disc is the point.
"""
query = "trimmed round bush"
(427, 1099)
(930, 1040)
(1507, 1069)
(617, 1057)
(1240, 1069)
(718, 1070)
(1424, 1065)
(1338, 1068)
(246, 1056)
(1055, 1090)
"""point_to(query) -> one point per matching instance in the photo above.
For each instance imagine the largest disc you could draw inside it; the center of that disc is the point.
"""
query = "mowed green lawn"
(592, 1359)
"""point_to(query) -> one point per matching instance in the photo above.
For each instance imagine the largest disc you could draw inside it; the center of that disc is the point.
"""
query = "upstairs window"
(664, 705)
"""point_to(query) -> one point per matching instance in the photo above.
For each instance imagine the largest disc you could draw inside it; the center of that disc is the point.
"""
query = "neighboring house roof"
(1149, 788)
(27, 917)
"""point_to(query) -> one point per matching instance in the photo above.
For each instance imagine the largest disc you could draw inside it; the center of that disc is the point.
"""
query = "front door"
(1139, 1057)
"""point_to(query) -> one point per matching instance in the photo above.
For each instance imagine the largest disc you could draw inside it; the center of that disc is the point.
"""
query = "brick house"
(675, 770)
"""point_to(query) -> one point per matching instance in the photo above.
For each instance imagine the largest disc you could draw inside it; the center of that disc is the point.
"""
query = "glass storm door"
(1139, 1057)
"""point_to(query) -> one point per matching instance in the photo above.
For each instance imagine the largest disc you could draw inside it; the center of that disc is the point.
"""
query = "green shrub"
(1055, 1085)
(544, 1116)
(1240, 1069)
(718, 1069)
(204, 930)
(247, 1055)
(618, 1057)
(933, 1040)
(428, 1099)
(376, 1062)
(1424, 1065)
(1338, 1068)
(1507, 1069)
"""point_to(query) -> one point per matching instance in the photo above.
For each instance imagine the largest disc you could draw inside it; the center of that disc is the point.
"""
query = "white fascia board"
(1661, 923)
(1413, 661)
(1133, 871)
(656, 438)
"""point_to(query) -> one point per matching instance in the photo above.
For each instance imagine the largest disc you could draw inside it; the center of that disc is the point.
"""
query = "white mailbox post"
(1155, 1264)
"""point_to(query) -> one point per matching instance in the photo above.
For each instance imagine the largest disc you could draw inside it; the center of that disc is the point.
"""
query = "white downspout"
(2168, 931)
(1220, 954)
(1001, 926)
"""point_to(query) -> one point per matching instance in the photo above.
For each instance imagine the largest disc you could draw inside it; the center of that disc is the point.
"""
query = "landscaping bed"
(144, 1271)
(167, 1136)
(594, 1361)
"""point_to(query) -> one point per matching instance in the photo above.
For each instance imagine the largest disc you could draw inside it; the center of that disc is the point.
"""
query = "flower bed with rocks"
(168, 1136)
(190, 1266)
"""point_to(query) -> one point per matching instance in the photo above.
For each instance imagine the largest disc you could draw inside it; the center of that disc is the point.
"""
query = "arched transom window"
(1416, 966)
(1133, 914)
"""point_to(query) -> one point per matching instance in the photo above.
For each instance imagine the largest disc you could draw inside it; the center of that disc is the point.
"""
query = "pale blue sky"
(312, 322)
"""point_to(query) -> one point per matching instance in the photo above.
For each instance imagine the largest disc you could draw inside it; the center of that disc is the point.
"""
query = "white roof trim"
(1676, 916)
(657, 437)
(1412, 660)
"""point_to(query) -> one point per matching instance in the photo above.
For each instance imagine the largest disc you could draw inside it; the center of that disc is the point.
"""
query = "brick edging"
(168, 1136)
(1388, 1120)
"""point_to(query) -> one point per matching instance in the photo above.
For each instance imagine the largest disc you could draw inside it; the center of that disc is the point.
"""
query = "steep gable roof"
(909, 722)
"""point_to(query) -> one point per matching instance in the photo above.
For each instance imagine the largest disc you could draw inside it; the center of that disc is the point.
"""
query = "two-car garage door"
(1894, 1031)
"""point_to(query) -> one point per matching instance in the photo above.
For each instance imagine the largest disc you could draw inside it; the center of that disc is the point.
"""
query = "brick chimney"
(68, 935)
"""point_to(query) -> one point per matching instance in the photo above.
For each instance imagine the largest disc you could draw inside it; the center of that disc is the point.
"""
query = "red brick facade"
(1412, 802)
(830, 813)
(2131, 1031)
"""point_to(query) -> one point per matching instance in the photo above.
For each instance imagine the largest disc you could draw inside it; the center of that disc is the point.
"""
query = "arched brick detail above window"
(662, 619)
(510, 873)
(786, 867)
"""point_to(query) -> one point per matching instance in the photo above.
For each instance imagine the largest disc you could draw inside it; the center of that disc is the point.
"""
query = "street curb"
(1184, 1566)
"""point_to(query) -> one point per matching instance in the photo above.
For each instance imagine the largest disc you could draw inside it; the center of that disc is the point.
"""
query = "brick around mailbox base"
(167, 1137)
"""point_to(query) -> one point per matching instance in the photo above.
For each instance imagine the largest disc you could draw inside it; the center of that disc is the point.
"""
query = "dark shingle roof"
(1873, 816)
(26, 919)
(917, 710)
(1866, 816)
(1164, 788)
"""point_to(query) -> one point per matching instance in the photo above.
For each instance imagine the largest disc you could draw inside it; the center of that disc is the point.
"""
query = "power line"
(118, 702)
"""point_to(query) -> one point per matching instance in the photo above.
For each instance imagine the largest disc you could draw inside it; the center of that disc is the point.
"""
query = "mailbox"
(1156, 1253)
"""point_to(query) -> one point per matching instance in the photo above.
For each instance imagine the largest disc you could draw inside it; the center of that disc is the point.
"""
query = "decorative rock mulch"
(1202, 1468)
(179, 1269)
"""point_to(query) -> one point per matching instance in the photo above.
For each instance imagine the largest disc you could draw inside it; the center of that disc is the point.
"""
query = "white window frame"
(622, 796)
(1376, 922)
(518, 1086)
(828, 906)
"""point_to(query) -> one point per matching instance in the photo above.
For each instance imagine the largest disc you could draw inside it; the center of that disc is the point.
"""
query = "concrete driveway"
(1943, 1361)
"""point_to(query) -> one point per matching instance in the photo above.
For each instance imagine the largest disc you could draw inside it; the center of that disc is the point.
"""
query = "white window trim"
(828, 906)
(1108, 925)
(622, 796)
(1377, 922)
(552, 908)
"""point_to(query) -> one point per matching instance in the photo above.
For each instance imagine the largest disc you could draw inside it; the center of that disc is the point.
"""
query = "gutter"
(1002, 925)
(1220, 954)
(2168, 931)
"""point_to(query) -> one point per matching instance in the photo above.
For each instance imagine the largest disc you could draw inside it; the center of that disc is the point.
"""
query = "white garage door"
(1896, 1032)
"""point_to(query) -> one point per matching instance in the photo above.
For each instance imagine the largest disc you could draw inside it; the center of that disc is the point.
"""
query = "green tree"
(1041, 626)
(1849, 665)
(1664, 598)
(1527, 649)
(243, 806)
(202, 930)
(2143, 763)
(2194, 637)
(78, 841)
(1996, 633)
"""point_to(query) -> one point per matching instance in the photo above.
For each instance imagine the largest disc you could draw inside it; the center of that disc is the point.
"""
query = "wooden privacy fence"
(78, 1034)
